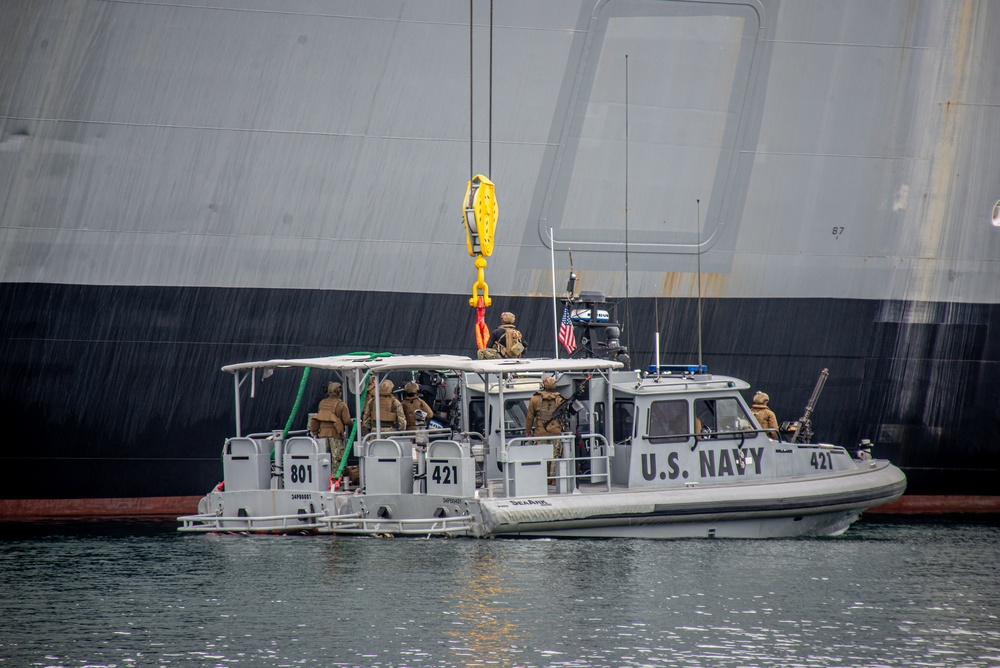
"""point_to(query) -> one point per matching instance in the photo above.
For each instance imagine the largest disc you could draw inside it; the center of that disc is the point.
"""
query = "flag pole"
(555, 314)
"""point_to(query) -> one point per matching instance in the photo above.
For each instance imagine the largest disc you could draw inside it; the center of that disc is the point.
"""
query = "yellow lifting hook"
(481, 213)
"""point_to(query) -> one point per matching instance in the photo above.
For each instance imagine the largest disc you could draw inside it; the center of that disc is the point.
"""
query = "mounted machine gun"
(566, 409)
(801, 431)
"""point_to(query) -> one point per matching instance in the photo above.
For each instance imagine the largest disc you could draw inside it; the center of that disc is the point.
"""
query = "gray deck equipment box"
(451, 471)
(306, 465)
(388, 467)
(246, 464)
(527, 469)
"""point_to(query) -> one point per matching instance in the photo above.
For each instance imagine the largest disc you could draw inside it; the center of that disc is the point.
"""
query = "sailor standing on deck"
(765, 416)
(413, 403)
(331, 421)
(390, 411)
(541, 409)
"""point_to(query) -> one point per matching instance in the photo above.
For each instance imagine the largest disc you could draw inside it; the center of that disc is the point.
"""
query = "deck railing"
(356, 524)
(265, 523)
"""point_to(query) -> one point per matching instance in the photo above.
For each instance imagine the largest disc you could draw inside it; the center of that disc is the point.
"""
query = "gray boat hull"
(810, 506)
(767, 509)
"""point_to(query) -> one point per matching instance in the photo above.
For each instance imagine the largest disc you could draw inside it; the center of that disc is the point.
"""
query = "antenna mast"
(698, 253)
(628, 306)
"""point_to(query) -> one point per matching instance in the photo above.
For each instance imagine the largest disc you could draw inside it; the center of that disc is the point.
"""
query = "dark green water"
(888, 593)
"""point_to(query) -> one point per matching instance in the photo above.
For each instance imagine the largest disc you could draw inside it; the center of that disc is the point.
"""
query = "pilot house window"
(477, 416)
(515, 416)
(622, 420)
(667, 418)
(718, 416)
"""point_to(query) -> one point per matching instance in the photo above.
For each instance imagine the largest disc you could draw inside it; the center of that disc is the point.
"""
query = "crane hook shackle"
(480, 215)
(479, 289)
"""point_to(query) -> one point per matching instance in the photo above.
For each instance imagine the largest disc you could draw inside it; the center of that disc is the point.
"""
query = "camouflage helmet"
(386, 387)
(507, 318)
(549, 383)
(333, 388)
(761, 398)
(411, 388)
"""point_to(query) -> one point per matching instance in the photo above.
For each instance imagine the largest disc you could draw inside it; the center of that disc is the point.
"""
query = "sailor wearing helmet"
(412, 402)
(390, 411)
(765, 416)
(505, 340)
(541, 411)
(331, 421)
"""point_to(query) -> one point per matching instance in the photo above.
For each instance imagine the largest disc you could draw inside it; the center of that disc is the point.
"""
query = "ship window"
(623, 413)
(720, 416)
(515, 414)
(477, 417)
(667, 418)
(599, 417)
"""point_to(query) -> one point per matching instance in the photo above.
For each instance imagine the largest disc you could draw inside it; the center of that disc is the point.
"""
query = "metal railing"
(356, 524)
(214, 523)
(427, 435)
(569, 456)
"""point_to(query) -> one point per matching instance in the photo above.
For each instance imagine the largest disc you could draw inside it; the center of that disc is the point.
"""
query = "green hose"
(302, 391)
(354, 428)
(354, 431)
(357, 419)
(295, 408)
(298, 401)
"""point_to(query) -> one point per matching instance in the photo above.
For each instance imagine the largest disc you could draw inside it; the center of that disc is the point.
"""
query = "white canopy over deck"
(427, 362)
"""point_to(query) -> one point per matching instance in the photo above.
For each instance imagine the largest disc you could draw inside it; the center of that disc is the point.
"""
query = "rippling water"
(900, 593)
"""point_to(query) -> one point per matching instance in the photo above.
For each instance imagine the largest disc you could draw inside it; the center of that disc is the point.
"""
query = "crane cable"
(480, 207)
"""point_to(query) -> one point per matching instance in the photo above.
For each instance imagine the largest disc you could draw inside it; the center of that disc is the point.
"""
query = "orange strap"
(482, 331)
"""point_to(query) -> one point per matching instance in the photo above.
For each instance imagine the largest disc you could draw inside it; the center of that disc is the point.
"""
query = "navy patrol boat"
(669, 452)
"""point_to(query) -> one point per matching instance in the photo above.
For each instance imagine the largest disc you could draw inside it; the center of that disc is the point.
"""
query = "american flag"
(566, 336)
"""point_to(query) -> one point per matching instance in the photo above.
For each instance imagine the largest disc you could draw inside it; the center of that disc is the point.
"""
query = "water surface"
(887, 593)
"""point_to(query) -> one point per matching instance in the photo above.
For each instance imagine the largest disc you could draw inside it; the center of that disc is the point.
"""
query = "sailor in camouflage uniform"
(541, 407)
(505, 341)
(765, 416)
(412, 402)
(390, 410)
(332, 420)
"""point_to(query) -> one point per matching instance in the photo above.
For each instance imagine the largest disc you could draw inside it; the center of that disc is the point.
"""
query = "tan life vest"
(330, 424)
(410, 407)
(387, 409)
(549, 402)
(510, 344)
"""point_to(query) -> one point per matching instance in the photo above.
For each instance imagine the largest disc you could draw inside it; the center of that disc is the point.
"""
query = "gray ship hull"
(188, 184)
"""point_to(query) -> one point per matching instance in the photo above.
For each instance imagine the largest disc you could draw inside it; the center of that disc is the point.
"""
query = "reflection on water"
(899, 593)
(482, 598)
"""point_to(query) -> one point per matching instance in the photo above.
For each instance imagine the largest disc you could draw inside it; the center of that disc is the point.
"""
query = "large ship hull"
(185, 186)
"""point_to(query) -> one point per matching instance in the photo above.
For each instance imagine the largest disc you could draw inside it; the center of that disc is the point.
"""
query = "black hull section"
(113, 392)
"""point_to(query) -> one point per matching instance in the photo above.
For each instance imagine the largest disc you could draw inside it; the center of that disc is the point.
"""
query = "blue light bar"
(679, 368)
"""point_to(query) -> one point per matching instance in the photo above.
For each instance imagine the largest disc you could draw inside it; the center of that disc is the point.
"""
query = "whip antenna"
(698, 254)
(628, 304)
